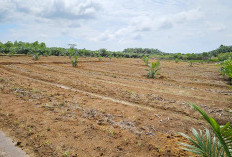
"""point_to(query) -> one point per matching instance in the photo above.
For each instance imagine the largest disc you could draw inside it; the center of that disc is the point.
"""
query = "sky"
(186, 26)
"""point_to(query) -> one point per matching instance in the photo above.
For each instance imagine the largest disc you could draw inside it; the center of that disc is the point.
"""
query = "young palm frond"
(205, 146)
(221, 145)
(153, 69)
(223, 133)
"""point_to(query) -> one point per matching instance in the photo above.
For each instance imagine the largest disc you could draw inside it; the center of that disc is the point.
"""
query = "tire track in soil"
(197, 98)
(171, 110)
(156, 110)
(174, 79)
(41, 62)
(177, 79)
(147, 139)
(80, 91)
(177, 84)
(145, 88)
(146, 116)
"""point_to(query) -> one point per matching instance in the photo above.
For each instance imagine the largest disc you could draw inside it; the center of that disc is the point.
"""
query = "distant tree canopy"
(143, 51)
(219, 54)
(41, 48)
(29, 48)
(221, 49)
(19, 47)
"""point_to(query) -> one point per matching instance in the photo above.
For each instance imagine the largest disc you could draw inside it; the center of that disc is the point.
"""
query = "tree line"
(19, 47)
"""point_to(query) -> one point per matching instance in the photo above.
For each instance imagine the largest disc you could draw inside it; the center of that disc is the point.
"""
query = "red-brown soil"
(106, 108)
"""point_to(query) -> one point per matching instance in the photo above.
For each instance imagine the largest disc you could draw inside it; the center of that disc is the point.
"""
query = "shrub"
(177, 60)
(154, 67)
(205, 145)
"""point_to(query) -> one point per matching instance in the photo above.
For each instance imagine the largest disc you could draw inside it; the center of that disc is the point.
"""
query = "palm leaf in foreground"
(205, 146)
(223, 133)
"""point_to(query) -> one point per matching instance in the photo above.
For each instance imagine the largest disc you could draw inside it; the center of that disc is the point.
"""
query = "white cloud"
(138, 26)
(172, 26)
(52, 9)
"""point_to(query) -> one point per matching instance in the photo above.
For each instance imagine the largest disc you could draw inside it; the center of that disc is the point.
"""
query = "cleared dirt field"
(106, 108)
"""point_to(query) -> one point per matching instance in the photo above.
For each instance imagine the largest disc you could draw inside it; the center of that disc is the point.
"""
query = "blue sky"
(184, 26)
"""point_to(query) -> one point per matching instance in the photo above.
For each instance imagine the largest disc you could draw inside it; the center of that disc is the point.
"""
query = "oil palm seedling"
(11, 53)
(215, 144)
(35, 56)
(154, 67)
(191, 63)
(99, 58)
(46, 53)
(226, 68)
(75, 61)
(71, 52)
(110, 57)
(177, 60)
(66, 154)
(146, 60)
(139, 144)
